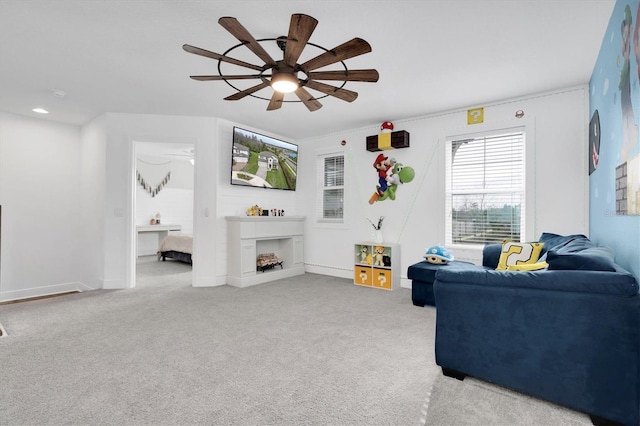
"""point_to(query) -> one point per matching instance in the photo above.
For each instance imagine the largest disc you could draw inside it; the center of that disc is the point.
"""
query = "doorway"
(162, 209)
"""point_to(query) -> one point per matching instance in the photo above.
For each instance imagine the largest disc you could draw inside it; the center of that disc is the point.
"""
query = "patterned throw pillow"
(518, 253)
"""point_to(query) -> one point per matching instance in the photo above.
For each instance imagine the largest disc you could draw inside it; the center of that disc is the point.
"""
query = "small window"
(331, 188)
(485, 193)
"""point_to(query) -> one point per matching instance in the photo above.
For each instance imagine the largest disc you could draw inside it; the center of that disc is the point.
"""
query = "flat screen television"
(262, 161)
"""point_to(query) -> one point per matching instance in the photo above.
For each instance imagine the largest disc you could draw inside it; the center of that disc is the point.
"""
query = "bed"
(178, 247)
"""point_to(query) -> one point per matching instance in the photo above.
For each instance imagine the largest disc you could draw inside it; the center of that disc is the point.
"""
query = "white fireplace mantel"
(249, 236)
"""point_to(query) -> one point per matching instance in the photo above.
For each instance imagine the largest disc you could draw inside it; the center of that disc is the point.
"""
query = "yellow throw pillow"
(518, 253)
(528, 266)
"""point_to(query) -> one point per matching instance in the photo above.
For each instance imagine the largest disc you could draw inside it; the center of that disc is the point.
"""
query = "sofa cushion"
(528, 266)
(426, 272)
(491, 255)
(554, 241)
(589, 259)
(514, 253)
(598, 282)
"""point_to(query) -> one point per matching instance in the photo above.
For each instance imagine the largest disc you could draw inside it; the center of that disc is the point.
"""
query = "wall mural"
(628, 171)
(614, 138)
(614, 152)
(594, 142)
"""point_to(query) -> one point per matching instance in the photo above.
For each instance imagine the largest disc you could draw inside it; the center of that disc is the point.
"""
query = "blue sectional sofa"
(569, 334)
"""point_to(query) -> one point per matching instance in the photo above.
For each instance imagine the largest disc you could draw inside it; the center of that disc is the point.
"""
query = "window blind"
(485, 189)
(331, 188)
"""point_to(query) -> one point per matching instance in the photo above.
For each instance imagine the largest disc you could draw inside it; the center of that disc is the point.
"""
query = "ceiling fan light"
(284, 82)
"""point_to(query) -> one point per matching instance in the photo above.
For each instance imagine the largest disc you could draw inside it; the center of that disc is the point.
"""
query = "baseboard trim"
(331, 271)
(37, 292)
(116, 284)
(208, 282)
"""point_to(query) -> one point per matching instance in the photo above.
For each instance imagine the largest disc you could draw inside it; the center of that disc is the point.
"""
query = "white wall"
(557, 185)
(122, 131)
(175, 201)
(40, 193)
(234, 200)
(214, 196)
(68, 217)
(92, 187)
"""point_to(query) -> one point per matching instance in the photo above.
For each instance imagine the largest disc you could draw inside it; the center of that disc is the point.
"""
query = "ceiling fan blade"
(213, 55)
(300, 31)
(344, 94)
(224, 77)
(276, 100)
(238, 31)
(346, 75)
(349, 49)
(308, 100)
(246, 92)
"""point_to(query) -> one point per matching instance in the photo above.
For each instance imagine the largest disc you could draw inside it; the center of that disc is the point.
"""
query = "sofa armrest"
(597, 282)
(491, 255)
(578, 349)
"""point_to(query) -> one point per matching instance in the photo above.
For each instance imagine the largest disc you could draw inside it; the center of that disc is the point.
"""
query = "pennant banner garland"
(152, 191)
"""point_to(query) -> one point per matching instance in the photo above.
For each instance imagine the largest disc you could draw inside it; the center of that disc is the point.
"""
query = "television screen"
(262, 161)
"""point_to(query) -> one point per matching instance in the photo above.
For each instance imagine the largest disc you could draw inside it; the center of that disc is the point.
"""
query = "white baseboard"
(7, 296)
(113, 284)
(405, 283)
(209, 281)
(263, 277)
(331, 271)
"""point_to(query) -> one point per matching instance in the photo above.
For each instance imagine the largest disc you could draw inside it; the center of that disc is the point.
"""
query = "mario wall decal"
(391, 175)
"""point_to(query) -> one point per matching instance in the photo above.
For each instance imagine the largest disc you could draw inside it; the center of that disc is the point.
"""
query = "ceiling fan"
(284, 75)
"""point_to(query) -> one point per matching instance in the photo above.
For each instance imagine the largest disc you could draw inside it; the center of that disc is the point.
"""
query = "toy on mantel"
(438, 255)
(254, 211)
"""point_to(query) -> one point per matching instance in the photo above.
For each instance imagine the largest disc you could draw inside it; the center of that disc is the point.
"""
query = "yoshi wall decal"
(391, 175)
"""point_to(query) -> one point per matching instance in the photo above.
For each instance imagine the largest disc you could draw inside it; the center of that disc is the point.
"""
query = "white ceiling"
(432, 55)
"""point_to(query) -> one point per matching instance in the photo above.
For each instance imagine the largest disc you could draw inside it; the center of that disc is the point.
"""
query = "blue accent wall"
(614, 142)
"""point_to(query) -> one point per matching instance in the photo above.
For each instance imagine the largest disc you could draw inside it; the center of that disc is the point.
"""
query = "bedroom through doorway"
(163, 214)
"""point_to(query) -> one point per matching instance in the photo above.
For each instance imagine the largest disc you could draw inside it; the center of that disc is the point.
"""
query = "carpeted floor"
(308, 350)
(475, 402)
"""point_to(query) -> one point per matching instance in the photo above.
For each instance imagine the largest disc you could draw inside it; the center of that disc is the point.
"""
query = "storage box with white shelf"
(377, 265)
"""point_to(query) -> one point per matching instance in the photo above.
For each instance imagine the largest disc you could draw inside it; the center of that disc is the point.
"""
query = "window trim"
(526, 126)
(321, 156)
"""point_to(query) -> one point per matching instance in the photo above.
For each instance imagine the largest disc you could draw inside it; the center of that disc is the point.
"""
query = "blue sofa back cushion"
(570, 243)
(575, 242)
(576, 252)
(598, 282)
(589, 259)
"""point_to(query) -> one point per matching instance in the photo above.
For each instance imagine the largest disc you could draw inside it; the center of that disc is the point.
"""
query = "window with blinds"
(331, 188)
(485, 189)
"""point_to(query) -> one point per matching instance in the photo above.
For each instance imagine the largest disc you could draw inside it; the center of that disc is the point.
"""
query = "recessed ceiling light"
(40, 110)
